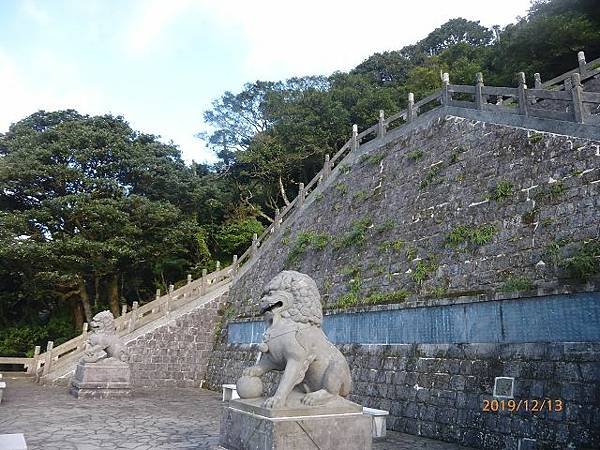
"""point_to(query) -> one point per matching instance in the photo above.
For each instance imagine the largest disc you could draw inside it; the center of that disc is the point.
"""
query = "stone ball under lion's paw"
(249, 387)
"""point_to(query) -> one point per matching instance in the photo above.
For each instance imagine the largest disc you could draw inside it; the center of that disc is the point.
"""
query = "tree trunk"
(78, 316)
(96, 291)
(113, 295)
(85, 299)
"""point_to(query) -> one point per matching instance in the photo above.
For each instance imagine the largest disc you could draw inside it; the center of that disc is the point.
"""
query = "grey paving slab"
(153, 418)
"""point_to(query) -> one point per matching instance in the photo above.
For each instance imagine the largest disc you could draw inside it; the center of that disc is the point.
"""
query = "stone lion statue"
(295, 344)
(103, 341)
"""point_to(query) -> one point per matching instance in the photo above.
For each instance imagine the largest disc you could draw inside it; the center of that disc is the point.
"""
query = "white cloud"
(153, 17)
(318, 37)
(33, 10)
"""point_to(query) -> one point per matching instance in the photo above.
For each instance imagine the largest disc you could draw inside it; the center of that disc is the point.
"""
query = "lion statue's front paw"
(253, 371)
(274, 402)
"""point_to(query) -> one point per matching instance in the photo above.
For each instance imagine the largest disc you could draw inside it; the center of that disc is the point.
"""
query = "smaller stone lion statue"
(295, 344)
(103, 341)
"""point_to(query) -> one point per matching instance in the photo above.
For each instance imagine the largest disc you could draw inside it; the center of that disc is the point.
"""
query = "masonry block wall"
(457, 208)
(176, 352)
(438, 390)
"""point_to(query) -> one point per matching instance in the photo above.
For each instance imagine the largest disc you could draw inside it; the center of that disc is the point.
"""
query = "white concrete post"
(537, 81)
(234, 265)
(204, 282)
(84, 334)
(189, 278)
(410, 108)
(36, 354)
(522, 94)
(577, 94)
(479, 90)
(381, 124)
(582, 63)
(123, 310)
(48, 361)
(254, 245)
(446, 97)
(326, 167)
(354, 146)
(277, 218)
(300, 201)
(132, 317)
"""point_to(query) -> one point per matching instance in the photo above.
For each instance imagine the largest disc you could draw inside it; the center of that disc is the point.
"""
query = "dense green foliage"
(95, 215)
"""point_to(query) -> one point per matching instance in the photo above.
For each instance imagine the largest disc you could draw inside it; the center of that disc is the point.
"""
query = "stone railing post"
(189, 278)
(410, 108)
(48, 360)
(84, 335)
(34, 366)
(582, 63)
(479, 90)
(277, 218)
(157, 295)
(522, 94)
(537, 81)
(446, 97)
(354, 145)
(123, 310)
(381, 124)
(234, 265)
(577, 93)
(326, 167)
(203, 282)
(132, 317)
(300, 195)
(254, 245)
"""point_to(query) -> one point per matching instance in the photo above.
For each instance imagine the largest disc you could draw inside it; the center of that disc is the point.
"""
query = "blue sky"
(160, 63)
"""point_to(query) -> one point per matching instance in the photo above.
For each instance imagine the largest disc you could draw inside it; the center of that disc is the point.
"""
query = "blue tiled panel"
(560, 318)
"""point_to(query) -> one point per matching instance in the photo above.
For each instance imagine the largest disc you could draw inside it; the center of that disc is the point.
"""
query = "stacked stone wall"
(176, 353)
(438, 390)
(457, 208)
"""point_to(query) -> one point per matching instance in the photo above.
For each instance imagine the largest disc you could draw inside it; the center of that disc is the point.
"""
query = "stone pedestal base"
(108, 378)
(242, 429)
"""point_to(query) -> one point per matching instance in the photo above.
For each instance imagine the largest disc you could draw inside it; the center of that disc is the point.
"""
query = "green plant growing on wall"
(556, 190)
(517, 283)
(318, 196)
(439, 292)
(431, 176)
(530, 217)
(373, 159)
(534, 138)
(396, 245)
(474, 235)
(585, 260)
(552, 192)
(285, 240)
(423, 269)
(304, 241)
(384, 226)
(387, 297)
(360, 196)
(355, 236)
(345, 169)
(411, 253)
(503, 190)
(341, 189)
(415, 155)
(351, 297)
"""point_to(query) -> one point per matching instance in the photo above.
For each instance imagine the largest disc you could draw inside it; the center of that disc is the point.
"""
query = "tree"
(88, 204)
(453, 32)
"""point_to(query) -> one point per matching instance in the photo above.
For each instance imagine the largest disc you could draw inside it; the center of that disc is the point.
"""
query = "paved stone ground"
(154, 418)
